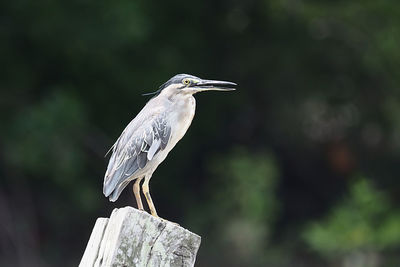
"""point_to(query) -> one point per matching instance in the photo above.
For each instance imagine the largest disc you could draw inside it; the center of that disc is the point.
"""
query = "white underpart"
(153, 148)
(181, 120)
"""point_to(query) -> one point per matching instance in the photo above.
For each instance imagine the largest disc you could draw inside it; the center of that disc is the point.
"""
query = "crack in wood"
(155, 240)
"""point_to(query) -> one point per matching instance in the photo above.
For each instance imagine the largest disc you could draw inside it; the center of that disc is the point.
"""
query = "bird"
(153, 133)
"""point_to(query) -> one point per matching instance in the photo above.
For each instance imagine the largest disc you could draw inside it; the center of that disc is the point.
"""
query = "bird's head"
(189, 84)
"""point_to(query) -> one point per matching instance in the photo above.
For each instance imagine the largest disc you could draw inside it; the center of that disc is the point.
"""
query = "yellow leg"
(136, 191)
(146, 192)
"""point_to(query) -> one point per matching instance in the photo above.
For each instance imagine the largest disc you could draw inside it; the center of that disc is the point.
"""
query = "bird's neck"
(185, 103)
(178, 104)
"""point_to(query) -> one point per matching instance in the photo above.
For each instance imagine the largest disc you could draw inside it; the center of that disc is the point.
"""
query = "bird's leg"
(146, 192)
(136, 191)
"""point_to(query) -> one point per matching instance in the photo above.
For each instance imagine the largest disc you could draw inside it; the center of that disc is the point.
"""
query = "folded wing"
(133, 150)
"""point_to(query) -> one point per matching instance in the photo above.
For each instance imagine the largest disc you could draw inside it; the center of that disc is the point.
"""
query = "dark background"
(298, 167)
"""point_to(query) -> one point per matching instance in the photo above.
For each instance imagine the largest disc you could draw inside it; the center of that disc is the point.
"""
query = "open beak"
(210, 85)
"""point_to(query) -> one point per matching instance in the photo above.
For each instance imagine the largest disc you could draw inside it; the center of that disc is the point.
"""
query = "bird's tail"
(114, 192)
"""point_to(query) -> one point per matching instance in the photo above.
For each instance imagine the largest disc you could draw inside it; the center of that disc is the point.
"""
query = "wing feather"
(134, 149)
(153, 149)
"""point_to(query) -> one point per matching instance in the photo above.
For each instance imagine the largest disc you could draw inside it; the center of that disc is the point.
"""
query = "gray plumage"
(131, 151)
(149, 137)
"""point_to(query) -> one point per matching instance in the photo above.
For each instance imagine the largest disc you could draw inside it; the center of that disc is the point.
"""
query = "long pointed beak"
(211, 85)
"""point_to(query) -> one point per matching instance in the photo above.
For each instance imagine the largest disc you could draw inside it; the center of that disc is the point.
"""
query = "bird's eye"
(186, 81)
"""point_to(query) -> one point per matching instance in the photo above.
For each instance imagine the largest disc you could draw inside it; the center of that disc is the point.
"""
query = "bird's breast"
(182, 118)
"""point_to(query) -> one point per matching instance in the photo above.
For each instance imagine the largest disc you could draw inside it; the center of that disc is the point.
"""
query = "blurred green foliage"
(266, 175)
(241, 207)
(364, 221)
(41, 135)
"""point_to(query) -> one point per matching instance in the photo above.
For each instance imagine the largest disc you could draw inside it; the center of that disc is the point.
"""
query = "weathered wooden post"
(131, 237)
